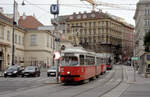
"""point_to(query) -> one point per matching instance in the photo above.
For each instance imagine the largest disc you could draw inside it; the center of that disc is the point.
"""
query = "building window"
(16, 38)
(33, 40)
(1, 32)
(147, 22)
(19, 40)
(8, 35)
(84, 16)
(22, 40)
(89, 24)
(147, 11)
(51, 42)
(48, 41)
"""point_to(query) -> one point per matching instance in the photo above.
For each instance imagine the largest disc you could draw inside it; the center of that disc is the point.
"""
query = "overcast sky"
(41, 8)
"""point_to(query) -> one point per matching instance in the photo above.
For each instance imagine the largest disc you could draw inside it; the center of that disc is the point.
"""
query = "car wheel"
(5, 76)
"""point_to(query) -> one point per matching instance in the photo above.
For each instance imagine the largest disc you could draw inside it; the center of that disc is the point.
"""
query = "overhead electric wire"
(78, 5)
(37, 6)
(60, 4)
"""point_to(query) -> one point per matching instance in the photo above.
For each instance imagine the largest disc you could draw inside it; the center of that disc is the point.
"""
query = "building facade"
(6, 42)
(142, 22)
(99, 32)
(32, 45)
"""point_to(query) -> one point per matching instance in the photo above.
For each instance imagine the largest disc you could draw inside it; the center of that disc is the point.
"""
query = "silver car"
(51, 72)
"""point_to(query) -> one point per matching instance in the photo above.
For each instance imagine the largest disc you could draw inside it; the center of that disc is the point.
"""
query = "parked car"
(13, 71)
(51, 72)
(31, 71)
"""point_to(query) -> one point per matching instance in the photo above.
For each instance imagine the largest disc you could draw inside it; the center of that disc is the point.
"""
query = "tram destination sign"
(69, 54)
(134, 58)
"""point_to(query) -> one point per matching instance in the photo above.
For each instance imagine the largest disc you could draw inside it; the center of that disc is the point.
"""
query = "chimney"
(24, 16)
(93, 11)
(100, 11)
(34, 15)
(74, 13)
(1, 10)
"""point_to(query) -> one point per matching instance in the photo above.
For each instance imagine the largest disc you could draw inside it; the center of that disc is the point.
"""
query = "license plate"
(26, 74)
(9, 74)
(52, 73)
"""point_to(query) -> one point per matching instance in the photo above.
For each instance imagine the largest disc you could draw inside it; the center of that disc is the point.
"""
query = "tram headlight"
(68, 72)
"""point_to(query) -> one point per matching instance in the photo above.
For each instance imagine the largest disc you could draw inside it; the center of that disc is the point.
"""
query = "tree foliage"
(147, 41)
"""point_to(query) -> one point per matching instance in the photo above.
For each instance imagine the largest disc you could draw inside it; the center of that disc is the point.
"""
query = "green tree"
(147, 41)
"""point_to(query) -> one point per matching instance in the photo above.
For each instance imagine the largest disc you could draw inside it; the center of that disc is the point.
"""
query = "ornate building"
(142, 22)
(142, 26)
(100, 32)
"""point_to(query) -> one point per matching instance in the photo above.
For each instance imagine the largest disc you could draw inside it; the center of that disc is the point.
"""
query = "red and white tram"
(77, 65)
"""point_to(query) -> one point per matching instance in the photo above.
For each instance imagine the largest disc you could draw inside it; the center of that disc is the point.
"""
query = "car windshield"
(30, 68)
(12, 68)
(69, 61)
(52, 68)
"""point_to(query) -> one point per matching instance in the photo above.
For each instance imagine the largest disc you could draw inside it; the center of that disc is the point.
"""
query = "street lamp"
(13, 31)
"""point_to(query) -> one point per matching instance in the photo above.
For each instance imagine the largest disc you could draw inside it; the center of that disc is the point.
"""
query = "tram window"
(81, 59)
(148, 57)
(90, 60)
(69, 61)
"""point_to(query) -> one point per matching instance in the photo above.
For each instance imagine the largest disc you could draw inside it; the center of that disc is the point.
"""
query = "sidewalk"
(140, 88)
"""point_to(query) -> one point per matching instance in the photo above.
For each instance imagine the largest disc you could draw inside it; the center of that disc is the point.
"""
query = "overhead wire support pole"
(13, 33)
(55, 11)
(57, 44)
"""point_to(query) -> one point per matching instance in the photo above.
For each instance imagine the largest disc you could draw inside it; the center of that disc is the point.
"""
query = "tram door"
(1, 57)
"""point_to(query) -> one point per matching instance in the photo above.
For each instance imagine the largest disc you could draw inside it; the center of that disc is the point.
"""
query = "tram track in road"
(60, 89)
(97, 87)
(122, 79)
(103, 88)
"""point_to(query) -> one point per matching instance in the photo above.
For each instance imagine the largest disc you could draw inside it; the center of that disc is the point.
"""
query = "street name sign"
(134, 58)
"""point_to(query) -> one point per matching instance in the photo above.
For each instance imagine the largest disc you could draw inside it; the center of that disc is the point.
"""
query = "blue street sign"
(54, 9)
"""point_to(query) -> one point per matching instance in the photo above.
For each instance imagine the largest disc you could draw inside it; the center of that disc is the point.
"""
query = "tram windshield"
(69, 61)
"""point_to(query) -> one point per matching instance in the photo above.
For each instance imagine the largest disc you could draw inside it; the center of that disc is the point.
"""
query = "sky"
(41, 8)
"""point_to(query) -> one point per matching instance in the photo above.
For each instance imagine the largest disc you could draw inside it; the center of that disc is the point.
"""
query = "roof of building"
(5, 18)
(29, 22)
(87, 16)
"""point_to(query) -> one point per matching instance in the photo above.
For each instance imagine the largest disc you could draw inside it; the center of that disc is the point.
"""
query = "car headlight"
(15, 72)
(68, 72)
(5, 72)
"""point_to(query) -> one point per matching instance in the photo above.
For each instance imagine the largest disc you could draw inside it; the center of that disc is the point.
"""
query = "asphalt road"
(14, 84)
(36, 88)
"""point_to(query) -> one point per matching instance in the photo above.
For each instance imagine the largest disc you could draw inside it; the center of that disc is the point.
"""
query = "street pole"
(57, 45)
(55, 10)
(13, 33)
(134, 56)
